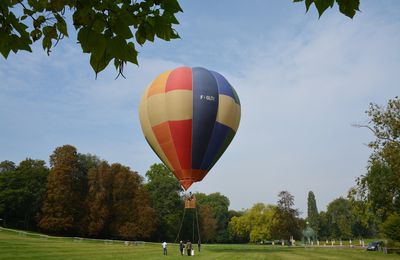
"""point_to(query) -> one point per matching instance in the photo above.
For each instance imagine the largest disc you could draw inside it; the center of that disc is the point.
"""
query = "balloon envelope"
(189, 116)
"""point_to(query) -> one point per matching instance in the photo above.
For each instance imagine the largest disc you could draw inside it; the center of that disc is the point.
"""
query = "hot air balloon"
(189, 116)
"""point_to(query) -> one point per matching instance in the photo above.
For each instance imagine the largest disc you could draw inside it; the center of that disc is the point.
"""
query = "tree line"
(82, 195)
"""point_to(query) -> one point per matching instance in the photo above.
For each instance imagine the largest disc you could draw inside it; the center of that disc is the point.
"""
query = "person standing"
(189, 248)
(199, 244)
(181, 247)
(164, 245)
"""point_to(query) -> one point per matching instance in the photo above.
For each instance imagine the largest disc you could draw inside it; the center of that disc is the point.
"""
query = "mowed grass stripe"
(14, 245)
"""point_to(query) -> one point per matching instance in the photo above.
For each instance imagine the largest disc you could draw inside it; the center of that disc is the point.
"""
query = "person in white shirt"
(164, 245)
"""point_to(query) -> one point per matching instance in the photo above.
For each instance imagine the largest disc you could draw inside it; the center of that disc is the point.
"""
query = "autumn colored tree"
(208, 223)
(132, 217)
(98, 201)
(219, 205)
(63, 206)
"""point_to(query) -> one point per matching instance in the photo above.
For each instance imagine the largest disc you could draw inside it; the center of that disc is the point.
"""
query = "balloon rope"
(198, 229)
(193, 228)
(183, 217)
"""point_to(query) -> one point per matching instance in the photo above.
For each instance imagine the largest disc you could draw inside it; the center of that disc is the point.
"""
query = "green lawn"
(20, 245)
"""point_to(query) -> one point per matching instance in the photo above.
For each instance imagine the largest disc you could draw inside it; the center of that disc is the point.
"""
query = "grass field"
(21, 245)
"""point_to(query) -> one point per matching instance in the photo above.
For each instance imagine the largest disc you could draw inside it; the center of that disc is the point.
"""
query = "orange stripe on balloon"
(148, 131)
(158, 84)
(180, 78)
(164, 138)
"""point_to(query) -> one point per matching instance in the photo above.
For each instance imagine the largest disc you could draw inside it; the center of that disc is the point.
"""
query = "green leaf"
(322, 5)
(348, 7)
(61, 24)
(4, 46)
(127, 17)
(132, 53)
(98, 23)
(88, 39)
(308, 3)
(28, 12)
(141, 35)
(99, 63)
(122, 29)
(171, 6)
(117, 47)
(50, 31)
(38, 22)
(36, 34)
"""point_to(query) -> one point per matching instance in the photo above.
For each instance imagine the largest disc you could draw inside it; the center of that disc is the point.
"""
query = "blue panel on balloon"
(205, 108)
(219, 135)
(224, 87)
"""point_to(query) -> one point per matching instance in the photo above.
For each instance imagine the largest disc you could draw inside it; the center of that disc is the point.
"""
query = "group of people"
(182, 247)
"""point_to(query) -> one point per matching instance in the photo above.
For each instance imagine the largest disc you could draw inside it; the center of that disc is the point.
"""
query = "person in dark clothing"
(181, 247)
(199, 244)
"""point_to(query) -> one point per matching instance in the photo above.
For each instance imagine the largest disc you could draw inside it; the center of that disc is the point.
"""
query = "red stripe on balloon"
(181, 133)
(180, 78)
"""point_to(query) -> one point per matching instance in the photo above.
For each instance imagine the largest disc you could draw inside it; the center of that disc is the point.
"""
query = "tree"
(365, 221)
(99, 201)
(106, 29)
(219, 205)
(239, 230)
(340, 218)
(132, 217)
(286, 221)
(63, 205)
(208, 224)
(346, 7)
(7, 166)
(255, 225)
(164, 191)
(22, 191)
(324, 232)
(391, 227)
(381, 184)
(312, 212)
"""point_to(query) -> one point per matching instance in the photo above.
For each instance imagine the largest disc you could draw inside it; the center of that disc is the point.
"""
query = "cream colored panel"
(179, 105)
(147, 130)
(228, 112)
(156, 108)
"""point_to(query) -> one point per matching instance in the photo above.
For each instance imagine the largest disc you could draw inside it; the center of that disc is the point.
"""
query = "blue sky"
(302, 82)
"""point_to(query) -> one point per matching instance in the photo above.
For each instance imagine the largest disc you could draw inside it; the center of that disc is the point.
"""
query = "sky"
(302, 81)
